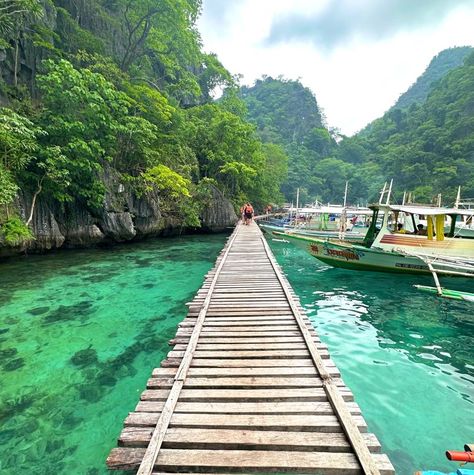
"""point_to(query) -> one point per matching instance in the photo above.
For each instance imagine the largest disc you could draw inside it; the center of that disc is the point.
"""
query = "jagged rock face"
(124, 217)
(79, 227)
(220, 213)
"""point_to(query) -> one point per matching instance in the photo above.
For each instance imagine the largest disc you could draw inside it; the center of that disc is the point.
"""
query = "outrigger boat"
(392, 249)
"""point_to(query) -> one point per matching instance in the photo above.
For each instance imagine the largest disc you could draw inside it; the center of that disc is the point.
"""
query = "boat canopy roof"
(423, 209)
(333, 209)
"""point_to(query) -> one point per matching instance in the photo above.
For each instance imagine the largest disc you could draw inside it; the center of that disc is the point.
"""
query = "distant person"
(420, 230)
(400, 229)
(248, 213)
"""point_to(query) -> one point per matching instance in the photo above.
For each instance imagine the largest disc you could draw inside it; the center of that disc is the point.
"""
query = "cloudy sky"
(357, 56)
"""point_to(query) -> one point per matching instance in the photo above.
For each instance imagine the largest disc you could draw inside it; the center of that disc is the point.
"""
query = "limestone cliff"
(124, 217)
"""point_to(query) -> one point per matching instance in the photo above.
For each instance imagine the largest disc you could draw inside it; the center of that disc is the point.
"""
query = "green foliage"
(18, 143)
(126, 91)
(267, 184)
(15, 232)
(284, 111)
(226, 147)
(168, 182)
(72, 37)
(13, 13)
(8, 187)
(287, 113)
(89, 120)
(427, 149)
(439, 66)
(175, 193)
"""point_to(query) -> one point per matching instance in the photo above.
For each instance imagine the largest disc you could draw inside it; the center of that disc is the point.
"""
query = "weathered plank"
(303, 394)
(236, 439)
(274, 407)
(172, 460)
(289, 422)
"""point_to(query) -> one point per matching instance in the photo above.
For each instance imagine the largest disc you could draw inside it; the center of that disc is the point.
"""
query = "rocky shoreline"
(123, 218)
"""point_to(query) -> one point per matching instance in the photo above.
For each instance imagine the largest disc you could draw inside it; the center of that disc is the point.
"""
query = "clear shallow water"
(80, 332)
(407, 356)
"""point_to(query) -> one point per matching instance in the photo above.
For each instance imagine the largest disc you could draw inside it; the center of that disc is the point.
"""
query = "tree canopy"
(122, 86)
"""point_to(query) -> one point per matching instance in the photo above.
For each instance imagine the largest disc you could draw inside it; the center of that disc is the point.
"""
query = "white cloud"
(355, 82)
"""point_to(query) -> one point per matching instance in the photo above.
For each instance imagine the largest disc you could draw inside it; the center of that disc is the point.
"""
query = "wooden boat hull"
(352, 256)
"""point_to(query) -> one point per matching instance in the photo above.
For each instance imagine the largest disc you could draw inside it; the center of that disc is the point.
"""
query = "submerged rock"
(14, 364)
(85, 357)
(38, 310)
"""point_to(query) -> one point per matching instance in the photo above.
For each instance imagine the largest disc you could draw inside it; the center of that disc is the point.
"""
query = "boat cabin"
(420, 229)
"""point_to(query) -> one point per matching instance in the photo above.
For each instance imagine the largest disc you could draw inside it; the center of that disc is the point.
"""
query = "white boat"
(388, 250)
(324, 221)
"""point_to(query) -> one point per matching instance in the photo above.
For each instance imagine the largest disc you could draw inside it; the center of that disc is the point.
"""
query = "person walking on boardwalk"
(248, 213)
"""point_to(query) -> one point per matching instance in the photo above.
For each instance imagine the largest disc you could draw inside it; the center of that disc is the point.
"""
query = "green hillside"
(102, 89)
(427, 148)
(439, 66)
(287, 113)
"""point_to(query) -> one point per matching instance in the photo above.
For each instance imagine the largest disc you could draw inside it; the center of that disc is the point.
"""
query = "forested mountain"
(428, 148)
(439, 66)
(287, 113)
(107, 95)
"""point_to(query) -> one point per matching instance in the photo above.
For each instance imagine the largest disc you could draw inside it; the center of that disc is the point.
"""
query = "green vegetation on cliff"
(439, 66)
(287, 113)
(428, 148)
(97, 87)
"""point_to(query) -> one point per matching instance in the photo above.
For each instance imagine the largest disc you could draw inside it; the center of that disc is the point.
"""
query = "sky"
(357, 56)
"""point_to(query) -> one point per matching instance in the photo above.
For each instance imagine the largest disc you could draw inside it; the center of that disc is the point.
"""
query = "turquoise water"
(80, 332)
(407, 356)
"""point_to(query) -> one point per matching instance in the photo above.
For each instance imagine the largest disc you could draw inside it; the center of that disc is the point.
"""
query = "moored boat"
(324, 221)
(392, 249)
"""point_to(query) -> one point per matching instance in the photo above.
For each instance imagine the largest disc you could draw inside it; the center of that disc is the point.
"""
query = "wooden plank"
(255, 363)
(246, 371)
(290, 422)
(275, 407)
(249, 354)
(235, 395)
(328, 463)
(235, 439)
(248, 346)
(245, 334)
(172, 460)
(243, 382)
(255, 341)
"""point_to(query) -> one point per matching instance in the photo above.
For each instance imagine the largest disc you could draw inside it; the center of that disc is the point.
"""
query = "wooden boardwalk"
(248, 385)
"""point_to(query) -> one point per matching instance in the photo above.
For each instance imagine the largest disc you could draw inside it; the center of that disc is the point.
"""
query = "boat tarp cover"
(427, 210)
